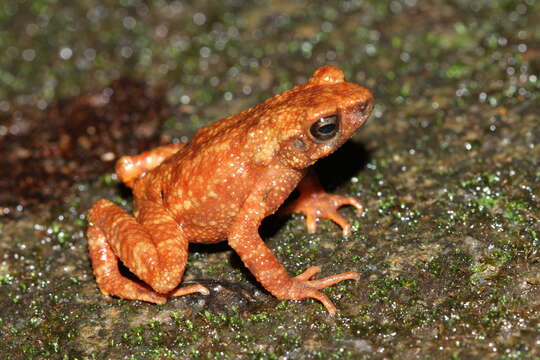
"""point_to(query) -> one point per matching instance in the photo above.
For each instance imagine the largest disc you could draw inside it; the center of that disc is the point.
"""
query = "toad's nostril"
(364, 106)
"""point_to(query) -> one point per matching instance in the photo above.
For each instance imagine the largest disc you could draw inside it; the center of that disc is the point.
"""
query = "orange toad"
(221, 185)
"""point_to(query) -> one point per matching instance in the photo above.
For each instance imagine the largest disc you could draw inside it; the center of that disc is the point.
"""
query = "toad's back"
(204, 184)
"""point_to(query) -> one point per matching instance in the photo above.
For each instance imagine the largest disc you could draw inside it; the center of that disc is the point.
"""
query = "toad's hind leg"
(129, 168)
(109, 279)
(152, 247)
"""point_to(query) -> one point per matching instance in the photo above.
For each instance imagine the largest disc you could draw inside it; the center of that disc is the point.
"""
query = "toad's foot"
(318, 205)
(301, 287)
(190, 289)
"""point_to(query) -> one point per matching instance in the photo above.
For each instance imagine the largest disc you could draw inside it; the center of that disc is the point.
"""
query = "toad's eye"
(325, 128)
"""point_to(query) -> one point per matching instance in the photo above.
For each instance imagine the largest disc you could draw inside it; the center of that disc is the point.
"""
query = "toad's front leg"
(273, 187)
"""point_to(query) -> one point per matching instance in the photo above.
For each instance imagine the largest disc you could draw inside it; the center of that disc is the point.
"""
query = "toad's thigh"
(151, 246)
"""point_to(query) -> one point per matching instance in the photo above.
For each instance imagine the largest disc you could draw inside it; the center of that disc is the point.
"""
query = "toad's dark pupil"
(327, 129)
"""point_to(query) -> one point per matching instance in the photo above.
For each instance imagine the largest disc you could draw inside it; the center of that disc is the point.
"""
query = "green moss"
(385, 289)
(108, 180)
(514, 211)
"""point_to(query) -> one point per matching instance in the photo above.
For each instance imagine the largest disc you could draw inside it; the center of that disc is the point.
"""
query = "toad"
(220, 186)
